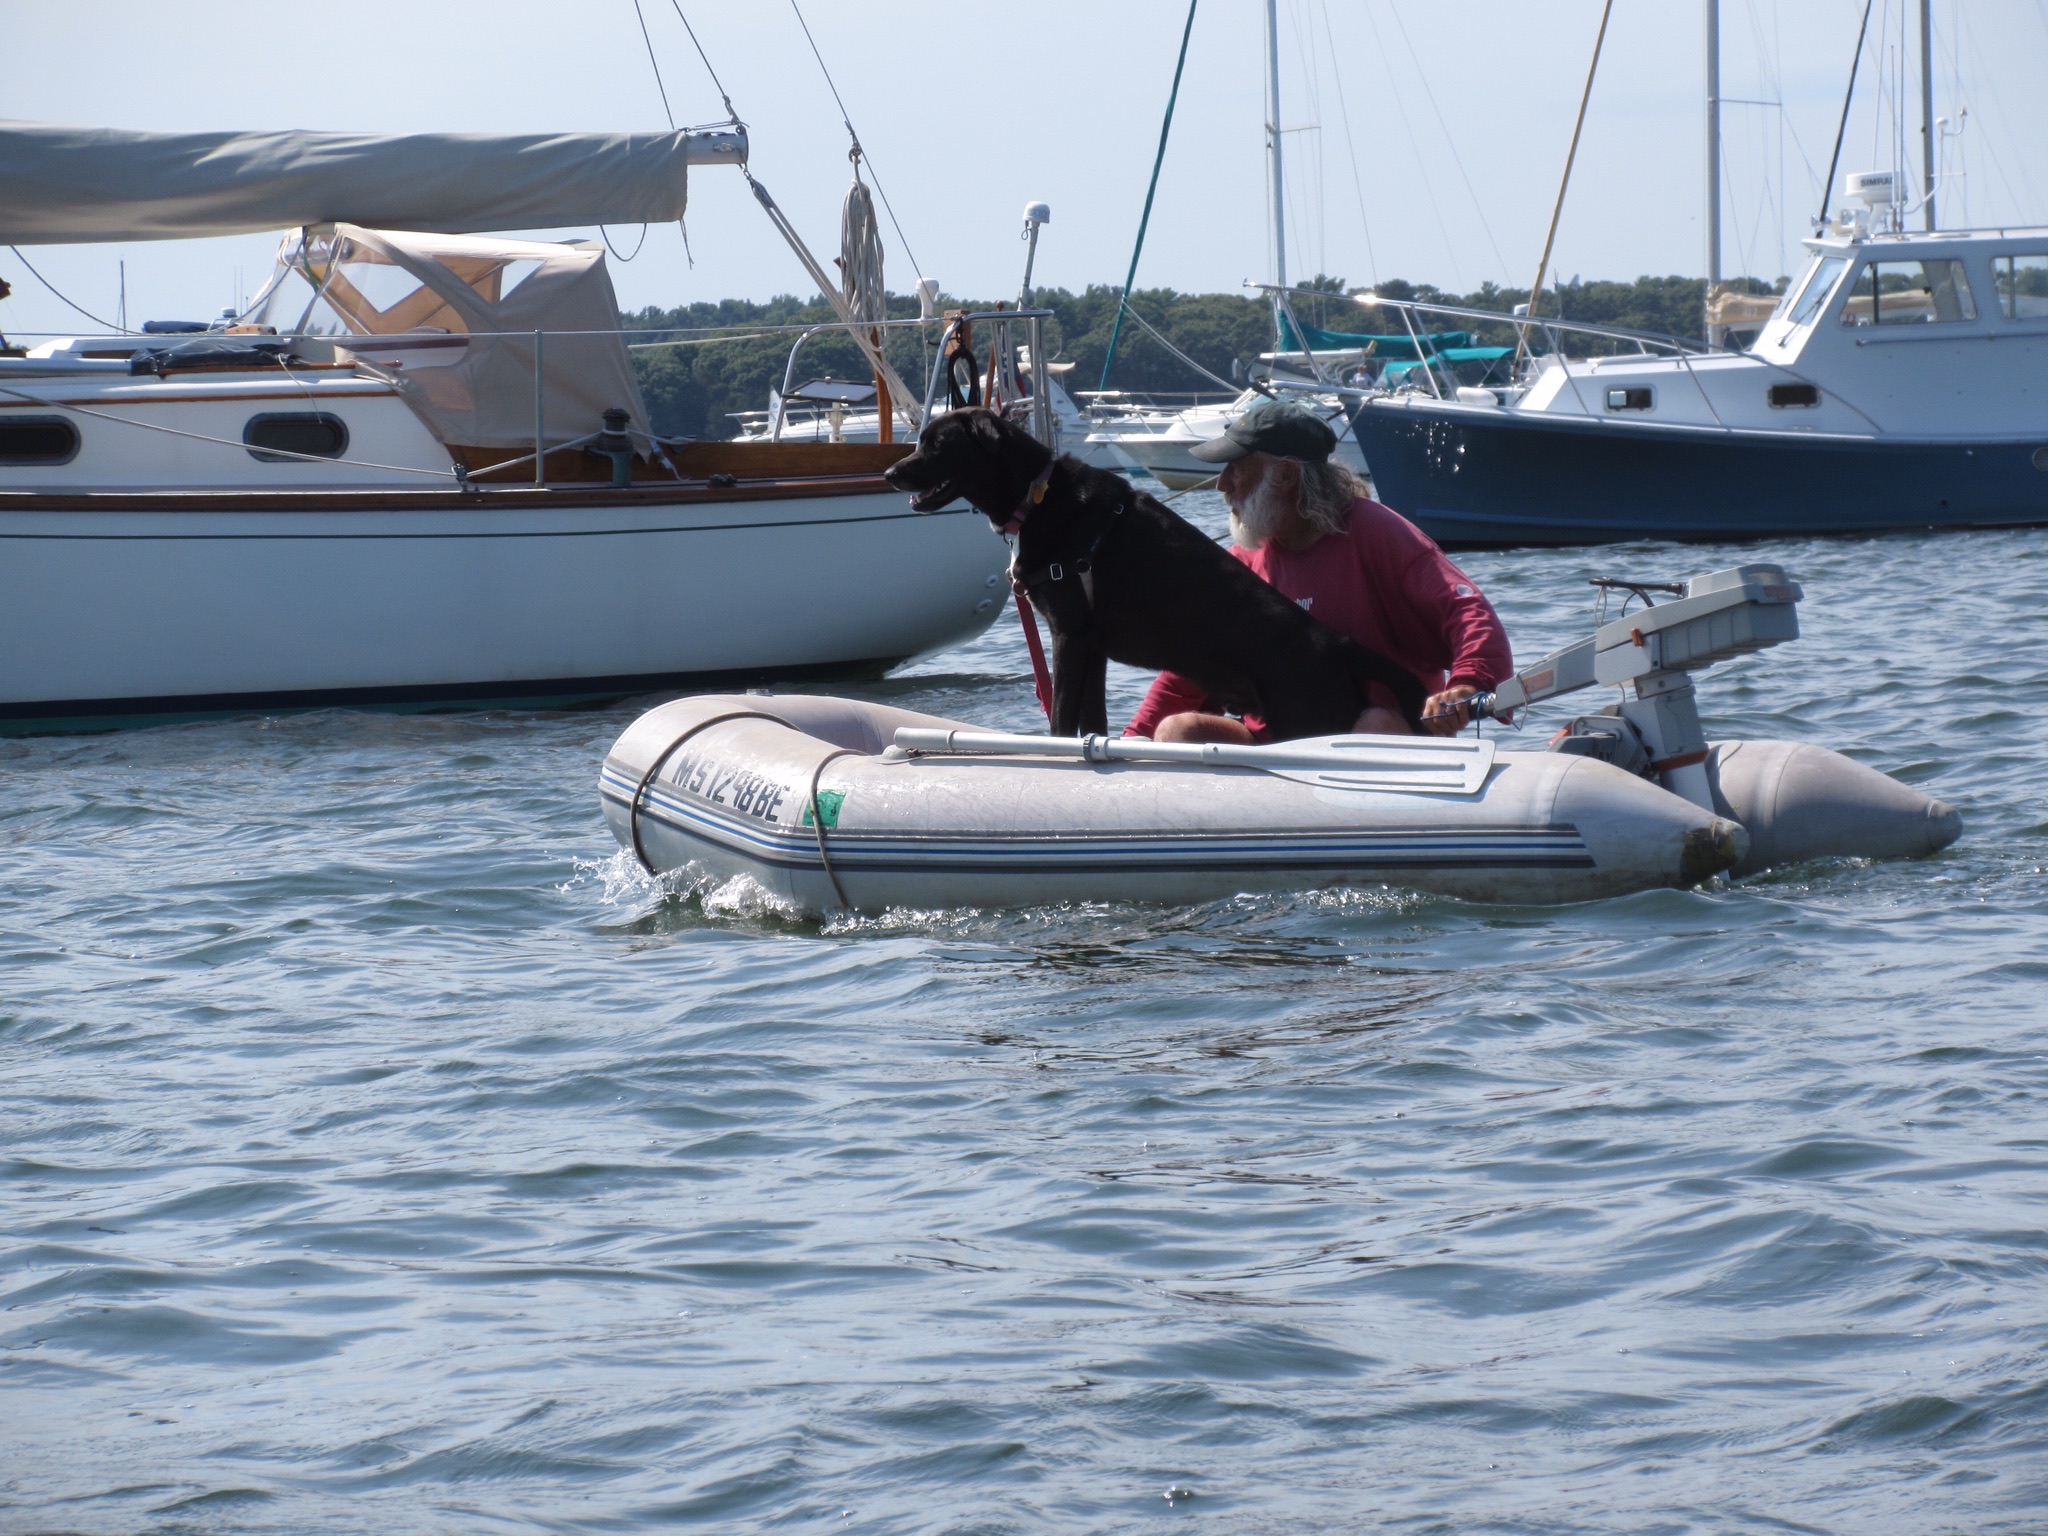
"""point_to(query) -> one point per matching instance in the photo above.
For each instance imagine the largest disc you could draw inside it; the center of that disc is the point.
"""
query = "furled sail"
(60, 185)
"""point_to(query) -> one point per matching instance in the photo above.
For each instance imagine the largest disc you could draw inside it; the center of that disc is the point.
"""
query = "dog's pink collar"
(1032, 498)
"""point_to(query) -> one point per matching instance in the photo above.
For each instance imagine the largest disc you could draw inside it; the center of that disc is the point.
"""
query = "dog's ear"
(987, 426)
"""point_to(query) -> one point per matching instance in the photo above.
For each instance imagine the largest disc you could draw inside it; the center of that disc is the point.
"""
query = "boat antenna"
(1827, 188)
(1927, 118)
(1536, 288)
(1152, 186)
(856, 153)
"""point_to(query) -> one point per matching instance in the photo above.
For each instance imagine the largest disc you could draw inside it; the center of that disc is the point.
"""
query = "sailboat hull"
(230, 602)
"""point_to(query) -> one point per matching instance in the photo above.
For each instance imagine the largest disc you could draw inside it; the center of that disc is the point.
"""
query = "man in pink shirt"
(1308, 527)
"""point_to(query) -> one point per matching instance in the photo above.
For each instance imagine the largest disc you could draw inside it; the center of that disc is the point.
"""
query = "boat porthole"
(38, 440)
(2041, 459)
(984, 605)
(286, 437)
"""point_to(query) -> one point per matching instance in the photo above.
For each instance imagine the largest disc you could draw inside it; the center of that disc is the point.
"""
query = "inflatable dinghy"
(835, 804)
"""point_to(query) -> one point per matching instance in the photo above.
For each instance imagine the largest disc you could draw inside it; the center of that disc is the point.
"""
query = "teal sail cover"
(1393, 348)
(1447, 356)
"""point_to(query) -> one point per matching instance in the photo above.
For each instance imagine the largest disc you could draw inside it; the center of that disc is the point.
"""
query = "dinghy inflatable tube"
(811, 797)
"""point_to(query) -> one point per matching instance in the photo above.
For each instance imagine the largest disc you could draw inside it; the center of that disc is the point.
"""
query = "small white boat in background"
(828, 410)
(834, 804)
(1162, 445)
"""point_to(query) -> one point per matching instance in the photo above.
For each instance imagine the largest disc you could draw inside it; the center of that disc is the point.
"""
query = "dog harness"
(1083, 568)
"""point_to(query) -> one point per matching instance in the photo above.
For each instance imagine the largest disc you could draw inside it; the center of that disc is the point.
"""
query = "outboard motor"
(1797, 801)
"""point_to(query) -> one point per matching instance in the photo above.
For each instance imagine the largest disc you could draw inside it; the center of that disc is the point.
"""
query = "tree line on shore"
(700, 365)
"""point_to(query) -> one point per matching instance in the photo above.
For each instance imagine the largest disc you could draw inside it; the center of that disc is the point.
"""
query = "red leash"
(1040, 677)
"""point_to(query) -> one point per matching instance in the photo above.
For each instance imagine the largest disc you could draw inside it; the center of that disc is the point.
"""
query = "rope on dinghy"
(818, 823)
(810, 798)
(669, 751)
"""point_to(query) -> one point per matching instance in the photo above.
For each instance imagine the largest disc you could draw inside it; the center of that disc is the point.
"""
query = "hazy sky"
(1425, 137)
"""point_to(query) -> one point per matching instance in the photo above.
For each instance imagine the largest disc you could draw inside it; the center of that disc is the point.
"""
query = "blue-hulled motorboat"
(1902, 382)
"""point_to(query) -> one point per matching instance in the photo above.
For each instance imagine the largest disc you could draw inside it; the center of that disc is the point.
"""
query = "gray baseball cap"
(1281, 427)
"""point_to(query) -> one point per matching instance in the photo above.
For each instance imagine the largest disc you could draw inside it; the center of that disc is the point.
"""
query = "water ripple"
(383, 1149)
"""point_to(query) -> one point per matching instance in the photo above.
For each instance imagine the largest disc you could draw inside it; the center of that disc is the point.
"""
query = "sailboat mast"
(1927, 102)
(1273, 140)
(1713, 149)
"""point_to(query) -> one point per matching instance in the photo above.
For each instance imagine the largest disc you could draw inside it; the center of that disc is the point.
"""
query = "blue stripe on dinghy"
(769, 838)
(1551, 847)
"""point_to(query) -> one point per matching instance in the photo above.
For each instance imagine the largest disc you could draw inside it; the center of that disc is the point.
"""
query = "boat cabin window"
(1820, 282)
(1794, 394)
(276, 437)
(38, 440)
(1636, 398)
(1909, 293)
(2022, 286)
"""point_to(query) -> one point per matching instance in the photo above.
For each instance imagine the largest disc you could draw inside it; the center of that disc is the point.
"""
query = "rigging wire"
(1176, 351)
(95, 319)
(1955, 184)
(1414, 147)
(1557, 211)
(1773, 65)
(666, 111)
(858, 152)
(719, 85)
(1992, 102)
(1145, 218)
(1372, 261)
(1450, 143)
(1312, 87)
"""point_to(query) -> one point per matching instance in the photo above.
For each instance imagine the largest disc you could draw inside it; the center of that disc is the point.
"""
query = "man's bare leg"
(1193, 726)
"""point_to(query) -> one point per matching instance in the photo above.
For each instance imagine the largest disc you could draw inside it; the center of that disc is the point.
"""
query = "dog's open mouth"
(936, 497)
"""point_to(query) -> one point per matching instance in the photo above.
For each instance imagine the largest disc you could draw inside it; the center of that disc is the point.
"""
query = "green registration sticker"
(829, 801)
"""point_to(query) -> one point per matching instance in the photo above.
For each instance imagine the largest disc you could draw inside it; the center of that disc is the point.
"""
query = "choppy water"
(377, 1153)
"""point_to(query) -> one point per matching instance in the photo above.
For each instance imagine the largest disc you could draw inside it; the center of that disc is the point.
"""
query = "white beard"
(1258, 515)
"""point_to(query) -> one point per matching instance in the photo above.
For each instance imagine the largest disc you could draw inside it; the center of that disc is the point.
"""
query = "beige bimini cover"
(454, 318)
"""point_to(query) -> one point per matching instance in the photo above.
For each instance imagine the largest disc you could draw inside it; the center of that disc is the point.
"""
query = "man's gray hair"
(1327, 491)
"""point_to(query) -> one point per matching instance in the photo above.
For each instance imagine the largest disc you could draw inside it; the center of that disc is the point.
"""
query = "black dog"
(1118, 577)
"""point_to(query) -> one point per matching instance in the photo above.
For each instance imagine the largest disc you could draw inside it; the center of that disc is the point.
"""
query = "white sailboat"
(421, 471)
